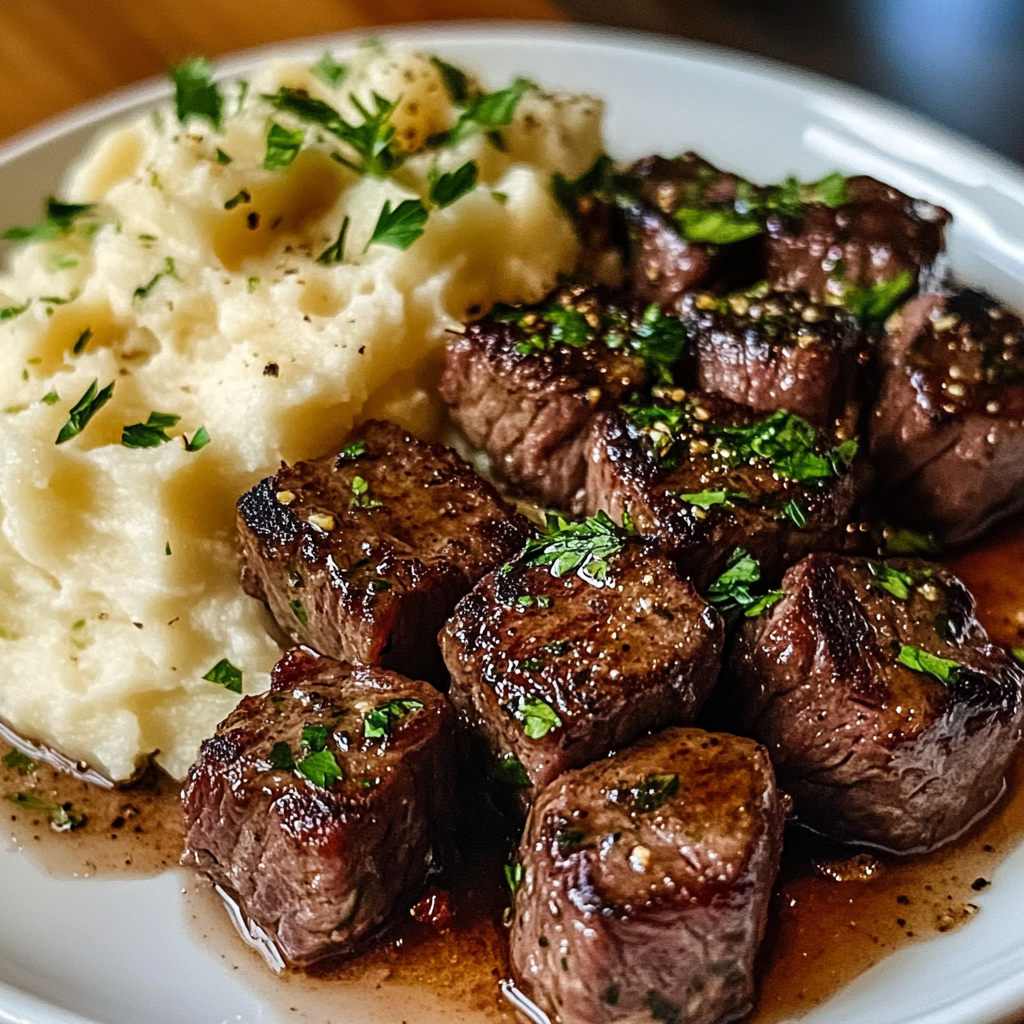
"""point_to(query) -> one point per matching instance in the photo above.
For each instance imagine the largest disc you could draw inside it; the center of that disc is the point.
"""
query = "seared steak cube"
(870, 237)
(706, 476)
(551, 672)
(363, 555)
(775, 350)
(322, 803)
(947, 432)
(671, 252)
(888, 715)
(645, 882)
(525, 384)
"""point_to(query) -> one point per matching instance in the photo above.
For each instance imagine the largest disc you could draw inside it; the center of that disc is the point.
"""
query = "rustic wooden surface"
(55, 54)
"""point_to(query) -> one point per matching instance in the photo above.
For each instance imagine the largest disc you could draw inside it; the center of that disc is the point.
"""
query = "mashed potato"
(194, 287)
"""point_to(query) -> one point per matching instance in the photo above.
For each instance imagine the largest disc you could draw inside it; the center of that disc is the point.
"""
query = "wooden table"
(55, 54)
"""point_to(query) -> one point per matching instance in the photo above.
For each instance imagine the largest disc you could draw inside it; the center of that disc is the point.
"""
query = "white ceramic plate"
(119, 952)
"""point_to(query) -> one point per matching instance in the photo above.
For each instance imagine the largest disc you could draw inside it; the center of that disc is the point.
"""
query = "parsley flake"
(352, 451)
(299, 611)
(335, 252)
(401, 226)
(195, 93)
(895, 582)
(873, 304)
(943, 669)
(168, 271)
(581, 548)
(361, 495)
(314, 738)
(715, 226)
(653, 791)
(731, 593)
(83, 410)
(222, 157)
(227, 675)
(50, 398)
(24, 764)
(509, 771)
(446, 188)
(200, 439)
(377, 723)
(795, 513)
(10, 312)
(707, 499)
(1018, 654)
(60, 816)
(83, 339)
(455, 80)
(150, 434)
(241, 196)
(513, 876)
(282, 146)
(281, 757)
(487, 113)
(537, 717)
(321, 768)
(329, 71)
(909, 542)
(60, 218)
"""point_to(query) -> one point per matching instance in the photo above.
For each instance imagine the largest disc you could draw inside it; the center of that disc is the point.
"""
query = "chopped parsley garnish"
(195, 93)
(361, 495)
(50, 398)
(83, 339)
(150, 434)
(378, 722)
(335, 252)
(225, 674)
(895, 582)
(731, 593)
(485, 114)
(531, 665)
(24, 764)
(222, 157)
(1018, 654)
(658, 340)
(352, 451)
(653, 791)
(788, 443)
(401, 226)
(10, 312)
(943, 669)
(281, 757)
(557, 647)
(329, 71)
(909, 542)
(282, 146)
(314, 738)
(320, 768)
(564, 325)
(60, 218)
(513, 876)
(242, 196)
(168, 271)
(530, 601)
(60, 816)
(84, 409)
(706, 499)
(872, 305)
(795, 513)
(446, 188)
(537, 717)
(721, 226)
(57, 300)
(371, 139)
(200, 439)
(509, 771)
(167, 548)
(299, 611)
(455, 80)
(581, 548)
(569, 839)
(597, 180)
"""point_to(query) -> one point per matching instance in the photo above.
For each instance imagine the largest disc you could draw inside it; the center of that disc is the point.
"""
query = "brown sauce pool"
(835, 913)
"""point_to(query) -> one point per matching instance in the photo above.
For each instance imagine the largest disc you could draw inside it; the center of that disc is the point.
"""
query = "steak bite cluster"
(524, 384)
(645, 882)
(705, 476)
(775, 350)
(588, 641)
(363, 555)
(322, 803)
(866, 236)
(947, 432)
(889, 716)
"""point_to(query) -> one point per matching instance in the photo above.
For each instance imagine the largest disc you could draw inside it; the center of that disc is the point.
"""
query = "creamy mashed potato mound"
(118, 565)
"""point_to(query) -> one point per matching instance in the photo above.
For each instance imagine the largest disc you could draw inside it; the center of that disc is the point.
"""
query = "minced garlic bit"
(286, 497)
(322, 521)
(640, 859)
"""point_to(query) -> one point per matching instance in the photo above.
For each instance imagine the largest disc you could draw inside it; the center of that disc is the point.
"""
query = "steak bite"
(586, 642)
(889, 716)
(775, 350)
(363, 555)
(947, 432)
(705, 476)
(645, 882)
(867, 236)
(322, 803)
(681, 228)
(524, 384)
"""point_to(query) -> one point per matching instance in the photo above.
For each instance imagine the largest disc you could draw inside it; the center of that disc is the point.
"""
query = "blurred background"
(960, 62)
